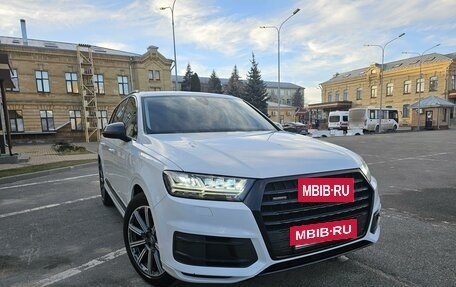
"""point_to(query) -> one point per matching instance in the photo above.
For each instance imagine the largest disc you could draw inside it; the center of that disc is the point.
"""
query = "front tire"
(140, 237)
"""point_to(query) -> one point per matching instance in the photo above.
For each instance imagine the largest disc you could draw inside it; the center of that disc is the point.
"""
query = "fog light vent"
(212, 251)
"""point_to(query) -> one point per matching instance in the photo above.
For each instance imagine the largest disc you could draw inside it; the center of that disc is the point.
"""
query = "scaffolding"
(89, 93)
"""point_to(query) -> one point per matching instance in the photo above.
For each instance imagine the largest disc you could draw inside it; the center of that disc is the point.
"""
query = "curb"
(14, 178)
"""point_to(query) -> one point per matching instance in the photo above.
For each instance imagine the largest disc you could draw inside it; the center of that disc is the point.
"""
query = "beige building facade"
(402, 85)
(63, 89)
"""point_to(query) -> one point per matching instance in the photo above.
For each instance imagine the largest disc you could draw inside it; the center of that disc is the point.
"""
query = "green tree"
(214, 85)
(195, 83)
(298, 100)
(187, 81)
(255, 90)
(234, 86)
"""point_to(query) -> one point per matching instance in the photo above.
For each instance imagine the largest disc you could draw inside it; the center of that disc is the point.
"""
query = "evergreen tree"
(298, 100)
(214, 85)
(187, 81)
(234, 86)
(195, 83)
(255, 90)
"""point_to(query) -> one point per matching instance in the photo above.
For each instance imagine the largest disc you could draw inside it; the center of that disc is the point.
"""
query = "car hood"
(251, 154)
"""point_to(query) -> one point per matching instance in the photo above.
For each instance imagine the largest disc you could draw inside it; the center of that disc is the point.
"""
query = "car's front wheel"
(141, 242)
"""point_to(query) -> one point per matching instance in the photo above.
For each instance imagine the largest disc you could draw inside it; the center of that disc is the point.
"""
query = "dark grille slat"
(294, 222)
(301, 207)
(280, 210)
(306, 208)
(273, 192)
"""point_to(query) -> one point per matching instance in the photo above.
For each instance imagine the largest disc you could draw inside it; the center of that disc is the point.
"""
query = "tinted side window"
(118, 112)
(130, 118)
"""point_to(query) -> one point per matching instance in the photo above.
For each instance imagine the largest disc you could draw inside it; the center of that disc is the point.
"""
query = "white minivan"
(338, 120)
(368, 119)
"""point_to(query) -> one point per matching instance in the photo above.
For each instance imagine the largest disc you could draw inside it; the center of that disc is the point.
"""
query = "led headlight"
(201, 186)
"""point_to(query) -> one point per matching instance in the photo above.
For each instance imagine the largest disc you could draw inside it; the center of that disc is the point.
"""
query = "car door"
(125, 150)
(109, 148)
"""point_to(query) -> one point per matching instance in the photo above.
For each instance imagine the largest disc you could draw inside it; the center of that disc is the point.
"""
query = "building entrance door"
(428, 124)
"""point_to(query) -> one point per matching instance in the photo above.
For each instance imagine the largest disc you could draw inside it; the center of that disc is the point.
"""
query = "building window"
(76, 120)
(358, 94)
(42, 82)
(345, 95)
(420, 85)
(47, 121)
(337, 96)
(99, 84)
(453, 82)
(123, 85)
(406, 111)
(330, 97)
(15, 80)
(389, 89)
(16, 121)
(154, 75)
(102, 117)
(407, 87)
(71, 80)
(433, 84)
(444, 115)
(374, 92)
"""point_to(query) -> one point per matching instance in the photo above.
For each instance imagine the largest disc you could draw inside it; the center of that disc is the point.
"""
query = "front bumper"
(239, 224)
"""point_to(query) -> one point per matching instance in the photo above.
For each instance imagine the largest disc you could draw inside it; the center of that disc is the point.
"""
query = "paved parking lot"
(56, 232)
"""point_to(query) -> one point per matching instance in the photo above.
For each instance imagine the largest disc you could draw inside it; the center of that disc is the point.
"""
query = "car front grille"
(281, 210)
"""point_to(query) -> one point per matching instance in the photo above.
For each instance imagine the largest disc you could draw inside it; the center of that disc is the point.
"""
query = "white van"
(368, 119)
(338, 120)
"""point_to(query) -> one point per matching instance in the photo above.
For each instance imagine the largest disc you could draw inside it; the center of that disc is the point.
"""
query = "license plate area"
(304, 235)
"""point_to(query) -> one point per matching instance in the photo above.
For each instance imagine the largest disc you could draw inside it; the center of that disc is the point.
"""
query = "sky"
(324, 38)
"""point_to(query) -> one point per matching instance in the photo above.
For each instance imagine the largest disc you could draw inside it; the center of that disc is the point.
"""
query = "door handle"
(111, 150)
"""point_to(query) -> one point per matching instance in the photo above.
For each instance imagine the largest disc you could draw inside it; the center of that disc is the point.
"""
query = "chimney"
(24, 33)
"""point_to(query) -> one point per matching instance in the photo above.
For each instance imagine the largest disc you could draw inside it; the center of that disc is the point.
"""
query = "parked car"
(208, 188)
(295, 127)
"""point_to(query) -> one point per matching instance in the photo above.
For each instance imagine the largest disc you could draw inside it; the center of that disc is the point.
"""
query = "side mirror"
(116, 131)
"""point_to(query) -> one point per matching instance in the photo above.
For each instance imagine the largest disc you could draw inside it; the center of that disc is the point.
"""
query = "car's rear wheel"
(105, 198)
(141, 242)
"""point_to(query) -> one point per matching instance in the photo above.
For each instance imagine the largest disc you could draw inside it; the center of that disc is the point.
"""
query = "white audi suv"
(212, 191)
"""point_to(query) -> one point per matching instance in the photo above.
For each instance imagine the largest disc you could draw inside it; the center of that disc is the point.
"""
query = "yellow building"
(402, 85)
(287, 113)
(67, 91)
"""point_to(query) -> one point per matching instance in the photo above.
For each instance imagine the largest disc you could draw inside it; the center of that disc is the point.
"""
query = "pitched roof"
(61, 46)
(399, 64)
(432, 102)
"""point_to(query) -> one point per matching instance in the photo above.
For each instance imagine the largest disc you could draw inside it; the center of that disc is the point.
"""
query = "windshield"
(195, 114)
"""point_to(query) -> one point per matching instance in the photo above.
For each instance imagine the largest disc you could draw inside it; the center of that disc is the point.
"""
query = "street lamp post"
(420, 79)
(278, 56)
(381, 76)
(174, 42)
